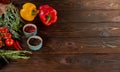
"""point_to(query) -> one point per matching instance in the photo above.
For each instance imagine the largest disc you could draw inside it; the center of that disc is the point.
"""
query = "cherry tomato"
(1, 29)
(1, 43)
(7, 35)
(9, 42)
(5, 30)
(1, 36)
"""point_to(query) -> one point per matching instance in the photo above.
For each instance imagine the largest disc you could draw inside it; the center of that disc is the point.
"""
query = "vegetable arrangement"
(11, 24)
(12, 20)
(5, 37)
(47, 14)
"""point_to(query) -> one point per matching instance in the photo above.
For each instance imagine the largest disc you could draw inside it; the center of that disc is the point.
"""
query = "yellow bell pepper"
(28, 11)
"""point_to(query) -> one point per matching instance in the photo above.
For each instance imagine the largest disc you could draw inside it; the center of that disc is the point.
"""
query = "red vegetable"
(48, 15)
(3, 29)
(7, 35)
(1, 43)
(9, 42)
(17, 45)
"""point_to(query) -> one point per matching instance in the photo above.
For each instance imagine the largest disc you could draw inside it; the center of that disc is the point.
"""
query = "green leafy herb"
(14, 54)
(12, 20)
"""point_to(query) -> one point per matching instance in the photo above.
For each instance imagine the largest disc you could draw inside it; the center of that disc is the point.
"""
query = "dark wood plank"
(80, 15)
(88, 16)
(86, 32)
(80, 30)
(68, 30)
(79, 45)
(76, 4)
(75, 31)
(67, 63)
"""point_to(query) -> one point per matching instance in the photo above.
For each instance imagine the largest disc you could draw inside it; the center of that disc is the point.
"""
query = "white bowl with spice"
(35, 42)
(29, 30)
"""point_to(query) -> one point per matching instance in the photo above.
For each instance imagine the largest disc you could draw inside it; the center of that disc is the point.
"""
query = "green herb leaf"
(12, 20)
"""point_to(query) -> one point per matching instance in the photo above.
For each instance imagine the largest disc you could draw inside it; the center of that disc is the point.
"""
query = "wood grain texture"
(69, 45)
(74, 29)
(76, 4)
(67, 63)
(81, 45)
(86, 38)
(89, 16)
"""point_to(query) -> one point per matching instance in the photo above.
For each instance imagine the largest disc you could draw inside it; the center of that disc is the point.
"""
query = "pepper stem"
(34, 12)
(48, 18)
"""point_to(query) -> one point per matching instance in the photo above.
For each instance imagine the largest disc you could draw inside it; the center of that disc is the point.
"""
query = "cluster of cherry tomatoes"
(5, 37)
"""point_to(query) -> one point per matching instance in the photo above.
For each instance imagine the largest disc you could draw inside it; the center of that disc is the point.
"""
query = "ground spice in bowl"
(34, 41)
(29, 29)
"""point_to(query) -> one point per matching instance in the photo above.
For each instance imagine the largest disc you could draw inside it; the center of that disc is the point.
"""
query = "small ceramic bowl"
(29, 30)
(35, 42)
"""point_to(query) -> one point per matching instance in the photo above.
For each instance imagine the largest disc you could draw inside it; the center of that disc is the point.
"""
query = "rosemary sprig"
(11, 54)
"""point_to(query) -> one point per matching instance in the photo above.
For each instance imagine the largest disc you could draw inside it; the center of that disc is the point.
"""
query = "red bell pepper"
(47, 14)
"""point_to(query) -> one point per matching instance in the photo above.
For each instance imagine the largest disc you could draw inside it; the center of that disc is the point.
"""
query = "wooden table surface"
(86, 38)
